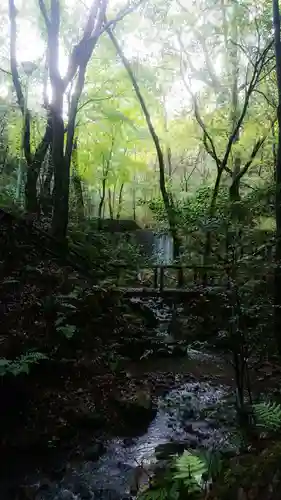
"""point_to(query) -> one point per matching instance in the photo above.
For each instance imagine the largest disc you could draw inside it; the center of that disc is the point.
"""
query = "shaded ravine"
(178, 420)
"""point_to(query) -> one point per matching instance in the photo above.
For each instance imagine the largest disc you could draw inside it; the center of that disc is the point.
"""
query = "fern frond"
(268, 415)
(190, 469)
(213, 461)
(154, 494)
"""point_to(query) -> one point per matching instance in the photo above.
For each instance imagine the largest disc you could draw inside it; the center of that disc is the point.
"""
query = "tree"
(166, 196)
(34, 158)
(228, 159)
(60, 134)
(277, 46)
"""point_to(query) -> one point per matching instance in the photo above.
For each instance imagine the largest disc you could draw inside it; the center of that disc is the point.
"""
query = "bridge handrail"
(167, 266)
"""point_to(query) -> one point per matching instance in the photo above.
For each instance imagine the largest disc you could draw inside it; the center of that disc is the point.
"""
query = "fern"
(154, 494)
(267, 415)
(213, 461)
(20, 365)
(190, 469)
(161, 493)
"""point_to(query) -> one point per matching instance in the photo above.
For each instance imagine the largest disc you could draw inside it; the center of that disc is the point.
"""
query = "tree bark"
(77, 66)
(31, 197)
(120, 202)
(208, 242)
(46, 200)
(110, 203)
(34, 161)
(234, 190)
(277, 278)
(76, 182)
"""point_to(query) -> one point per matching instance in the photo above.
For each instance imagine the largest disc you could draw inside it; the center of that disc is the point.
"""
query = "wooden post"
(118, 272)
(195, 275)
(180, 277)
(155, 278)
(161, 280)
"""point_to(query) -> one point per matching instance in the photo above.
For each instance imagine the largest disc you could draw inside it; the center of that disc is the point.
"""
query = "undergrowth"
(196, 473)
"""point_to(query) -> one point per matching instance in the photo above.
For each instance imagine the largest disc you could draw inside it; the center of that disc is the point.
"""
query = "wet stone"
(84, 492)
(94, 452)
(65, 495)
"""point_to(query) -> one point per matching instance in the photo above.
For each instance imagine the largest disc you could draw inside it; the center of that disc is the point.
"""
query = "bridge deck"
(166, 292)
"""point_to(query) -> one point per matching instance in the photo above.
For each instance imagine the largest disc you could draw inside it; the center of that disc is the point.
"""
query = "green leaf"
(68, 330)
(190, 469)
(268, 415)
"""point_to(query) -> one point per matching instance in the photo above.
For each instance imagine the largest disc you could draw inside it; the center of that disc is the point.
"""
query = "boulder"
(166, 450)
(137, 412)
(88, 420)
(146, 313)
(94, 452)
(83, 491)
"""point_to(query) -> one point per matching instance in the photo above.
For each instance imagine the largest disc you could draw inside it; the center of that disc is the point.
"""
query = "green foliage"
(190, 469)
(20, 365)
(161, 493)
(67, 308)
(100, 250)
(187, 475)
(267, 415)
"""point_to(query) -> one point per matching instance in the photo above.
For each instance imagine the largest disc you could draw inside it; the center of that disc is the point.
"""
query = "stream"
(180, 423)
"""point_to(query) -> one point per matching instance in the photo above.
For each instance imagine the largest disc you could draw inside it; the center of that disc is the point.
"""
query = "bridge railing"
(180, 275)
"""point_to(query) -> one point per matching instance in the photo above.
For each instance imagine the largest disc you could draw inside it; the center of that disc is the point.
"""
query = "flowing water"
(180, 419)
(163, 248)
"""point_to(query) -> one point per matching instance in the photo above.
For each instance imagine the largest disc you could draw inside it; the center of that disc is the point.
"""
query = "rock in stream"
(177, 425)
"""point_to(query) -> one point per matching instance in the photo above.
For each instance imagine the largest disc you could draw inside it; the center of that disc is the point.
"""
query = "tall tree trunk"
(78, 61)
(167, 199)
(134, 203)
(61, 174)
(274, 149)
(32, 203)
(120, 202)
(110, 204)
(34, 161)
(76, 182)
(233, 63)
(101, 203)
(212, 209)
(277, 280)
(46, 199)
(234, 188)
(105, 172)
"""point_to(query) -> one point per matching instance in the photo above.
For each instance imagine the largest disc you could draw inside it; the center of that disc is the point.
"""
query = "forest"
(140, 249)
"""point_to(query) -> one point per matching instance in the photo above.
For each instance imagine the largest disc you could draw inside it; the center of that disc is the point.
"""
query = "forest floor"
(76, 390)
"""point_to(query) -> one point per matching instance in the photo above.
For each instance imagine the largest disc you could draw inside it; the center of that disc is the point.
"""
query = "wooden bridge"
(171, 280)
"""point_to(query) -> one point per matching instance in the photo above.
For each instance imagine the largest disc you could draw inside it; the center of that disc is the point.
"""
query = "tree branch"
(17, 83)
(249, 89)
(216, 84)
(167, 198)
(5, 71)
(248, 92)
(93, 30)
(128, 68)
(83, 50)
(254, 153)
(44, 13)
(207, 139)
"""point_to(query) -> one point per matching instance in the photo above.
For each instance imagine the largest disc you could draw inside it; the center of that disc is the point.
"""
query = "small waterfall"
(163, 248)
